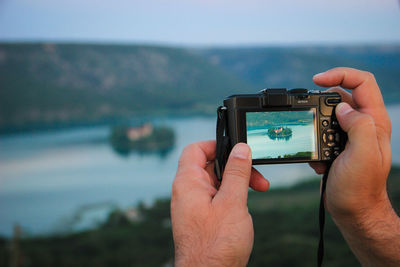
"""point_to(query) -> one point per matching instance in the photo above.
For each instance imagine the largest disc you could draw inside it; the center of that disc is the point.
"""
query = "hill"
(293, 67)
(53, 84)
(285, 222)
(50, 85)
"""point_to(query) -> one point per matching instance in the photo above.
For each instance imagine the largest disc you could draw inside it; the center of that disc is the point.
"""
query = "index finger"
(366, 93)
(192, 180)
(198, 154)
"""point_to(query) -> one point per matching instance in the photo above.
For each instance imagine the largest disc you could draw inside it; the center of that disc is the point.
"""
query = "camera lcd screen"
(282, 134)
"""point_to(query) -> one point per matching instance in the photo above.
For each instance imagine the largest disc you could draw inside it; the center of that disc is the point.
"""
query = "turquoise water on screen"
(263, 147)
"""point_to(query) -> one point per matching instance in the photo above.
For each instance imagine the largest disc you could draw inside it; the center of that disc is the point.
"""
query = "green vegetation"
(285, 222)
(58, 85)
(161, 140)
(305, 154)
(262, 119)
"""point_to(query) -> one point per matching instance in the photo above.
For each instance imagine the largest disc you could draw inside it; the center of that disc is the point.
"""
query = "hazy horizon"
(204, 46)
(202, 23)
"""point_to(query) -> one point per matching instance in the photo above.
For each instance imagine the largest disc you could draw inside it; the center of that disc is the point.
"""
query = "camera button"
(325, 123)
(331, 144)
(332, 100)
(327, 153)
(298, 91)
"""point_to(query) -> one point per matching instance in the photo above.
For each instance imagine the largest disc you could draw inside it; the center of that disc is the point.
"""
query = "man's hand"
(356, 194)
(211, 224)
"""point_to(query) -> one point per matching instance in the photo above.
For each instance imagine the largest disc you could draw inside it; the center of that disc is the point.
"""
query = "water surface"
(47, 177)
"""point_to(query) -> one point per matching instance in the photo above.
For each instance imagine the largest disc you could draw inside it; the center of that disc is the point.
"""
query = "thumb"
(236, 177)
(360, 127)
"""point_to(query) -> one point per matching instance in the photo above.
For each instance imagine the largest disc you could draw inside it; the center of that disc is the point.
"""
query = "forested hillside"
(45, 84)
(293, 67)
(263, 119)
(51, 85)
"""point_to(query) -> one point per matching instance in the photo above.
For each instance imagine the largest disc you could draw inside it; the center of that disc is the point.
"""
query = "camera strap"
(223, 143)
(322, 215)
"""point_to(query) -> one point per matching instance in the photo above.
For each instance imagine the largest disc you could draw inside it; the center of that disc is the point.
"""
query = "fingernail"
(241, 151)
(319, 74)
(343, 108)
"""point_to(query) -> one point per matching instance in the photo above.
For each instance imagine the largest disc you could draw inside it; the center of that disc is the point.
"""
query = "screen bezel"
(243, 134)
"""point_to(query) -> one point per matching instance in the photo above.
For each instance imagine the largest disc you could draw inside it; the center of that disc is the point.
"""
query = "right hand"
(356, 194)
(356, 184)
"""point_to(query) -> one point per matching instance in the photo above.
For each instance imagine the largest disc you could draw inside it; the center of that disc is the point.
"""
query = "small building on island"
(279, 132)
(136, 133)
(146, 138)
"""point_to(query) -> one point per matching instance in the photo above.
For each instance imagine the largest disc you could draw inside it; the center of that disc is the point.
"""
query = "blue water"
(262, 147)
(45, 178)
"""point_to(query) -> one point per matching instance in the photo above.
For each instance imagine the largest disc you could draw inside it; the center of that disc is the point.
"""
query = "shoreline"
(58, 126)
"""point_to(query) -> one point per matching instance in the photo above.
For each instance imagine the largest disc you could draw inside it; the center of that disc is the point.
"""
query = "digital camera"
(281, 126)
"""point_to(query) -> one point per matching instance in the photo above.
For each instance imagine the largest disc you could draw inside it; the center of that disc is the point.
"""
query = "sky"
(202, 22)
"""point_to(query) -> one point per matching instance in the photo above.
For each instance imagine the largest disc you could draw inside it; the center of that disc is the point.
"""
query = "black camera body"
(283, 126)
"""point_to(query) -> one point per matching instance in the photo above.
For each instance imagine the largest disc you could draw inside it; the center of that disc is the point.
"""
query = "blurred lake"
(46, 177)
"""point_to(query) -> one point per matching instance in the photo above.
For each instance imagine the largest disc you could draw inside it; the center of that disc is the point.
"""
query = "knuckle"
(236, 172)
(370, 76)
(192, 171)
(187, 178)
(365, 122)
(190, 147)
(186, 150)
(338, 69)
(177, 187)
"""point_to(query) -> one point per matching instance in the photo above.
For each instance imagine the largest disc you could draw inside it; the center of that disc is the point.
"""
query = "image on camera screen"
(282, 134)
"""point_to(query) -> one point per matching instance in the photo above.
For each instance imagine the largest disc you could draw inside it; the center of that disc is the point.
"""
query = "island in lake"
(143, 139)
(279, 133)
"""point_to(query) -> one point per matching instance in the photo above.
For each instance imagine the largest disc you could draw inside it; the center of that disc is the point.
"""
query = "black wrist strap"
(223, 143)
(322, 216)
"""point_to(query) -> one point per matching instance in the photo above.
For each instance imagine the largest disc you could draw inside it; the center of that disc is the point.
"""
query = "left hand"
(211, 225)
